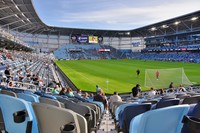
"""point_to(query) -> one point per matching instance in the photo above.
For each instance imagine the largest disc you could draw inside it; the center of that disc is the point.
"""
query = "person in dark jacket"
(136, 90)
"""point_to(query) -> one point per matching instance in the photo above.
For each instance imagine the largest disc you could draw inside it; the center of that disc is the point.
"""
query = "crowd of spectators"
(20, 69)
(172, 56)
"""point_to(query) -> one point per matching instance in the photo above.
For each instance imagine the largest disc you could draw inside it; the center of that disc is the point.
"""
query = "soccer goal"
(161, 78)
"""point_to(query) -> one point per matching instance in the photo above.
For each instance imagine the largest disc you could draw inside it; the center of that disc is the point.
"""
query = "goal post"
(161, 78)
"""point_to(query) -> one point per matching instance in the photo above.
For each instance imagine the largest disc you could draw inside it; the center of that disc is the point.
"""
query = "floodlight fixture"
(153, 29)
(128, 33)
(194, 18)
(177, 22)
(164, 26)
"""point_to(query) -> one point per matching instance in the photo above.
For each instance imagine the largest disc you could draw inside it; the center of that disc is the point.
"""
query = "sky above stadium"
(111, 14)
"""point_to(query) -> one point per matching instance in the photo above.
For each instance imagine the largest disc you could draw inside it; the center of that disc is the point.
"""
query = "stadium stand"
(77, 52)
(30, 81)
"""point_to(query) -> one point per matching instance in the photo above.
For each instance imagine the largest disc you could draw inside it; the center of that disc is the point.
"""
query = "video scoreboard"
(86, 39)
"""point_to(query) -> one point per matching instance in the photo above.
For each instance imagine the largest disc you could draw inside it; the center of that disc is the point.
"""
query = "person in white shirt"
(182, 88)
(152, 92)
(115, 98)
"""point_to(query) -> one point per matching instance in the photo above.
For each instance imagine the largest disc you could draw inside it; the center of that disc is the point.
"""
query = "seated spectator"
(20, 74)
(78, 93)
(115, 98)
(86, 96)
(136, 90)
(44, 88)
(91, 97)
(16, 78)
(8, 72)
(182, 88)
(98, 97)
(29, 73)
(55, 90)
(11, 84)
(69, 92)
(63, 91)
(161, 92)
(152, 92)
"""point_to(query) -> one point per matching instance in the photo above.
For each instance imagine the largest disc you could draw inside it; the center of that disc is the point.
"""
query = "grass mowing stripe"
(120, 73)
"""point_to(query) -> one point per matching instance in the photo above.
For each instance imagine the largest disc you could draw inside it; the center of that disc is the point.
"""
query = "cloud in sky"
(111, 14)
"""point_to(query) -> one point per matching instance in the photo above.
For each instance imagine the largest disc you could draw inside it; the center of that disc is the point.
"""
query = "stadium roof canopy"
(20, 15)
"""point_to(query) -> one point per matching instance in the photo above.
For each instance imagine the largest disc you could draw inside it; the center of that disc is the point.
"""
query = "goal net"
(161, 78)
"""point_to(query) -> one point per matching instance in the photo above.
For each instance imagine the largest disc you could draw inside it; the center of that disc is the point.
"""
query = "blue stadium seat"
(9, 92)
(121, 108)
(21, 122)
(164, 120)
(130, 112)
(30, 98)
(27, 97)
(39, 93)
(194, 112)
(32, 94)
(192, 100)
(2, 126)
(166, 103)
(34, 124)
(48, 96)
(100, 104)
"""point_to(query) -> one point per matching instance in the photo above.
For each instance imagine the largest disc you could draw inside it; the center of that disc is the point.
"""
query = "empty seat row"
(91, 112)
(22, 116)
(125, 112)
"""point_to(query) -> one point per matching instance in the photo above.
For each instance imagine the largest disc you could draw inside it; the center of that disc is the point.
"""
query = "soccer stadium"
(99, 73)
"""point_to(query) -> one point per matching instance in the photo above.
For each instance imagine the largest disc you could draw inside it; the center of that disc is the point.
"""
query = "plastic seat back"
(130, 112)
(50, 101)
(120, 108)
(27, 97)
(194, 113)
(166, 103)
(2, 126)
(191, 100)
(16, 114)
(10, 93)
(80, 109)
(182, 96)
(94, 111)
(51, 118)
(100, 104)
(115, 105)
(48, 96)
(163, 120)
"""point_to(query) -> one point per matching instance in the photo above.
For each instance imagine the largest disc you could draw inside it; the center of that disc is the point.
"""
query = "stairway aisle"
(107, 124)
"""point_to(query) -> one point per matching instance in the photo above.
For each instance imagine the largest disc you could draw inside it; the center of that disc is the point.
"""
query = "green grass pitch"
(118, 75)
